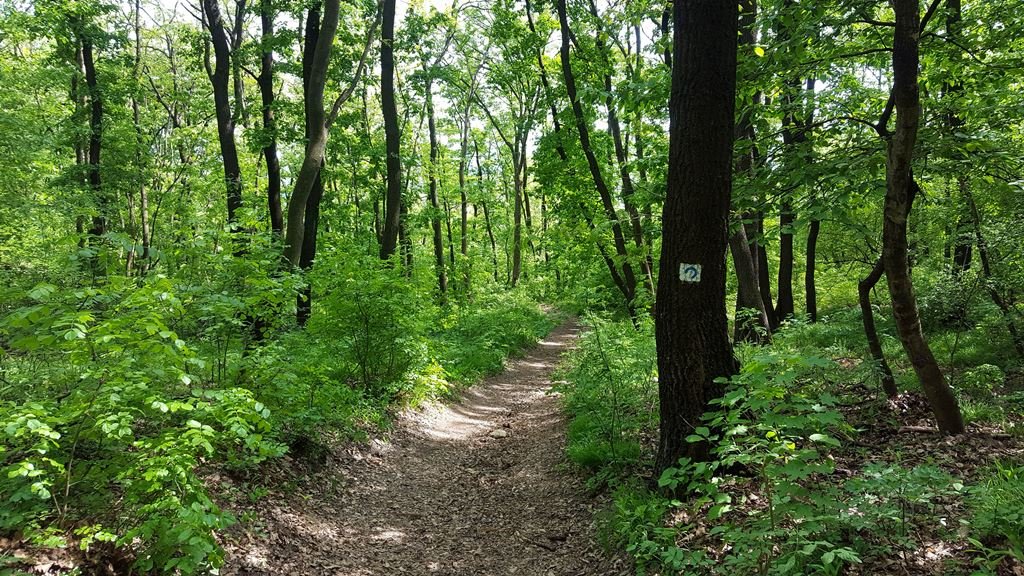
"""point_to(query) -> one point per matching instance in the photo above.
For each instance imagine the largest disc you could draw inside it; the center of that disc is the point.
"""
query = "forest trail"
(477, 487)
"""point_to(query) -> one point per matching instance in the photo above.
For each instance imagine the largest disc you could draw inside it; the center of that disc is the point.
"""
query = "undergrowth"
(790, 490)
(118, 402)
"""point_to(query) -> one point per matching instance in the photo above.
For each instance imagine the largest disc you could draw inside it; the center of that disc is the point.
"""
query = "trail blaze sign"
(689, 273)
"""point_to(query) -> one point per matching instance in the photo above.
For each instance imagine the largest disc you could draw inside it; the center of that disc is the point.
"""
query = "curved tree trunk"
(220, 78)
(864, 288)
(899, 191)
(629, 284)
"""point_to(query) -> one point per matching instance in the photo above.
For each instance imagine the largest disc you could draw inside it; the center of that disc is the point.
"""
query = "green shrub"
(980, 381)
(611, 393)
(997, 515)
(373, 320)
(123, 429)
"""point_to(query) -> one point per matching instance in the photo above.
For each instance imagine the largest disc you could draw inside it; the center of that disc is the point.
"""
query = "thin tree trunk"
(620, 155)
(751, 318)
(220, 79)
(810, 288)
(864, 288)
(690, 320)
(899, 184)
(1005, 305)
(144, 224)
(435, 216)
(487, 216)
(751, 324)
(99, 221)
(629, 287)
(266, 84)
(392, 135)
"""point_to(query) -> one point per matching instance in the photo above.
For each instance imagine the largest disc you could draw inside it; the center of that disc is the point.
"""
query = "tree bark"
(220, 79)
(690, 319)
(266, 84)
(864, 288)
(899, 185)
(392, 135)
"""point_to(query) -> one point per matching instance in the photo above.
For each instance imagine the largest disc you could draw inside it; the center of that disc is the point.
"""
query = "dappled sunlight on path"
(475, 487)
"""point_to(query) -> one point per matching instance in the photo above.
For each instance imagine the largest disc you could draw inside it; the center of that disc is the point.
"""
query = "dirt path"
(477, 487)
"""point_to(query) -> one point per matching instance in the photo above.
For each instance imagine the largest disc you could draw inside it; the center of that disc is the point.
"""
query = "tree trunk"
(629, 286)
(784, 303)
(810, 288)
(764, 274)
(392, 135)
(487, 215)
(751, 318)
(1005, 305)
(620, 155)
(266, 84)
(864, 288)
(316, 125)
(304, 302)
(751, 324)
(220, 79)
(690, 319)
(899, 185)
(99, 221)
(435, 215)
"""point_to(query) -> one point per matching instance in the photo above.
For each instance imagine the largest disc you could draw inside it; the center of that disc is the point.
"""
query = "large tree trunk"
(629, 279)
(392, 135)
(266, 83)
(690, 319)
(899, 186)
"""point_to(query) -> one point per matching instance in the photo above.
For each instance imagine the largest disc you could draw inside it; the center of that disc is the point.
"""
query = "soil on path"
(479, 487)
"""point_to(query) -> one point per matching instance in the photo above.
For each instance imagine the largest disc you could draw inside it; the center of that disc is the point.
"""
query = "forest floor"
(476, 487)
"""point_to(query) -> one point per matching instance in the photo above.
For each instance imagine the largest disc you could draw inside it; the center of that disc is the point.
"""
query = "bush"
(997, 515)
(124, 427)
(610, 393)
(374, 321)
